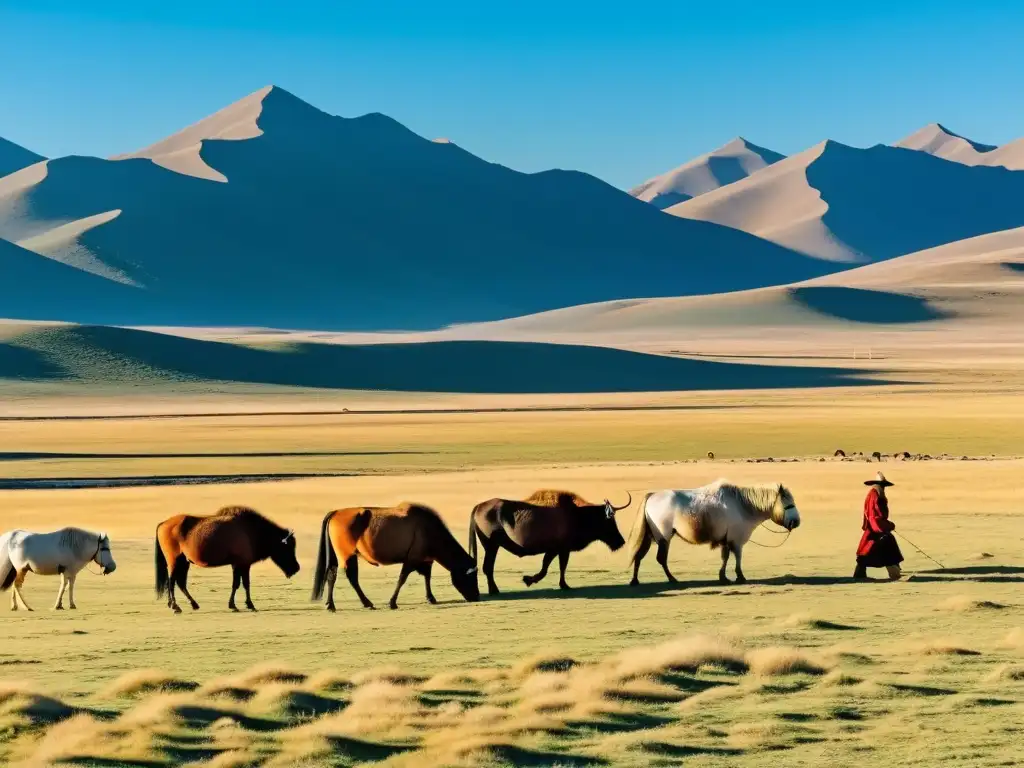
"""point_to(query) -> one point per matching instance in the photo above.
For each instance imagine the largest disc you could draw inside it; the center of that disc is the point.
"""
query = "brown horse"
(410, 534)
(235, 536)
(550, 523)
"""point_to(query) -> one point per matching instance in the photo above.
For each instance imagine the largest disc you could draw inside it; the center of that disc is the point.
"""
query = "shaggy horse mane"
(756, 498)
(80, 540)
(248, 513)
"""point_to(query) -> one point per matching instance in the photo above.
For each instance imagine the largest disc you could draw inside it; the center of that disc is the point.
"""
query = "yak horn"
(626, 504)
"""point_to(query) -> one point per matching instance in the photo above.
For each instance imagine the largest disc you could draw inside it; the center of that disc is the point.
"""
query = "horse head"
(786, 513)
(103, 557)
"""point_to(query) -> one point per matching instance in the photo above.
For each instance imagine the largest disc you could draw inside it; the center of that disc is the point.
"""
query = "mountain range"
(273, 213)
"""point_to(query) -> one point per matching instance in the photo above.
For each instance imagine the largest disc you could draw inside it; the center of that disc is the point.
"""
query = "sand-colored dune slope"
(861, 205)
(730, 162)
(936, 139)
(272, 212)
(974, 281)
(14, 157)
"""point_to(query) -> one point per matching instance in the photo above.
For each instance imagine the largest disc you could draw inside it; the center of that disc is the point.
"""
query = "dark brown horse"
(410, 534)
(235, 536)
(549, 523)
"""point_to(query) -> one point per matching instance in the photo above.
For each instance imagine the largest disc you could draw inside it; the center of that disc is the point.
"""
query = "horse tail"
(162, 576)
(8, 573)
(641, 531)
(326, 559)
(471, 548)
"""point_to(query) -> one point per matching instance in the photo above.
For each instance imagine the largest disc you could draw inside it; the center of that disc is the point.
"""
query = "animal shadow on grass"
(657, 589)
(996, 574)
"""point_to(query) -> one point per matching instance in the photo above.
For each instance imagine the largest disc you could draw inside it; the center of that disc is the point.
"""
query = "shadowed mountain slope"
(855, 205)
(731, 162)
(973, 279)
(14, 158)
(33, 287)
(274, 213)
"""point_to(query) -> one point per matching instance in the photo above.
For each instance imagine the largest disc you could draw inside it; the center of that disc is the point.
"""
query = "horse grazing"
(549, 523)
(64, 553)
(720, 514)
(235, 536)
(410, 534)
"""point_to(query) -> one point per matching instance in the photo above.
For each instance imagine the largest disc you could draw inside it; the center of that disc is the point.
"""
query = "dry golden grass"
(691, 695)
(964, 603)
(798, 658)
(774, 662)
(144, 681)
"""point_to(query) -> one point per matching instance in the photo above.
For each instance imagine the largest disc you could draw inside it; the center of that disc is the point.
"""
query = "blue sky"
(622, 90)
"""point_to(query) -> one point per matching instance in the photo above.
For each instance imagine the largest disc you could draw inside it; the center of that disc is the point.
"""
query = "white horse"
(720, 514)
(64, 553)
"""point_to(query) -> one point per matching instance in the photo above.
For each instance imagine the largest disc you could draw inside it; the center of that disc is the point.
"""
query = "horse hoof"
(251, 607)
(741, 579)
(369, 606)
(72, 607)
(635, 583)
(527, 581)
(564, 586)
(432, 600)
(494, 591)
(331, 608)
(58, 607)
(393, 606)
(176, 609)
(195, 606)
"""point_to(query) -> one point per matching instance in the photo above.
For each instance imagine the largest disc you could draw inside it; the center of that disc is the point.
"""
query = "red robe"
(875, 545)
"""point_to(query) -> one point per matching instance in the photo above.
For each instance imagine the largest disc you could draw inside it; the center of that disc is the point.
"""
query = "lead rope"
(99, 547)
(920, 550)
(777, 533)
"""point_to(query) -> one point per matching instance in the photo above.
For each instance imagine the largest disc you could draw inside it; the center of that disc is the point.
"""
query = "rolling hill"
(862, 205)
(730, 162)
(274, 213)
(97, 356)
(14, 158)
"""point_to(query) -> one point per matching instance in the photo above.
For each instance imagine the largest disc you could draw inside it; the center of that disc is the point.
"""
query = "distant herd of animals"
(549, 523)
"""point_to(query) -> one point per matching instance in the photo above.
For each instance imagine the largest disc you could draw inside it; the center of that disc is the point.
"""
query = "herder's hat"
(880, 480)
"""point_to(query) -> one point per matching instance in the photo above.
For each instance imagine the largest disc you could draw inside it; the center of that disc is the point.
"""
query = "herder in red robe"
(878, 547)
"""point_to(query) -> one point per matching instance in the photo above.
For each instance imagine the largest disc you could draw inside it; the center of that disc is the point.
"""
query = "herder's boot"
(895, 574)
(860, 572)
